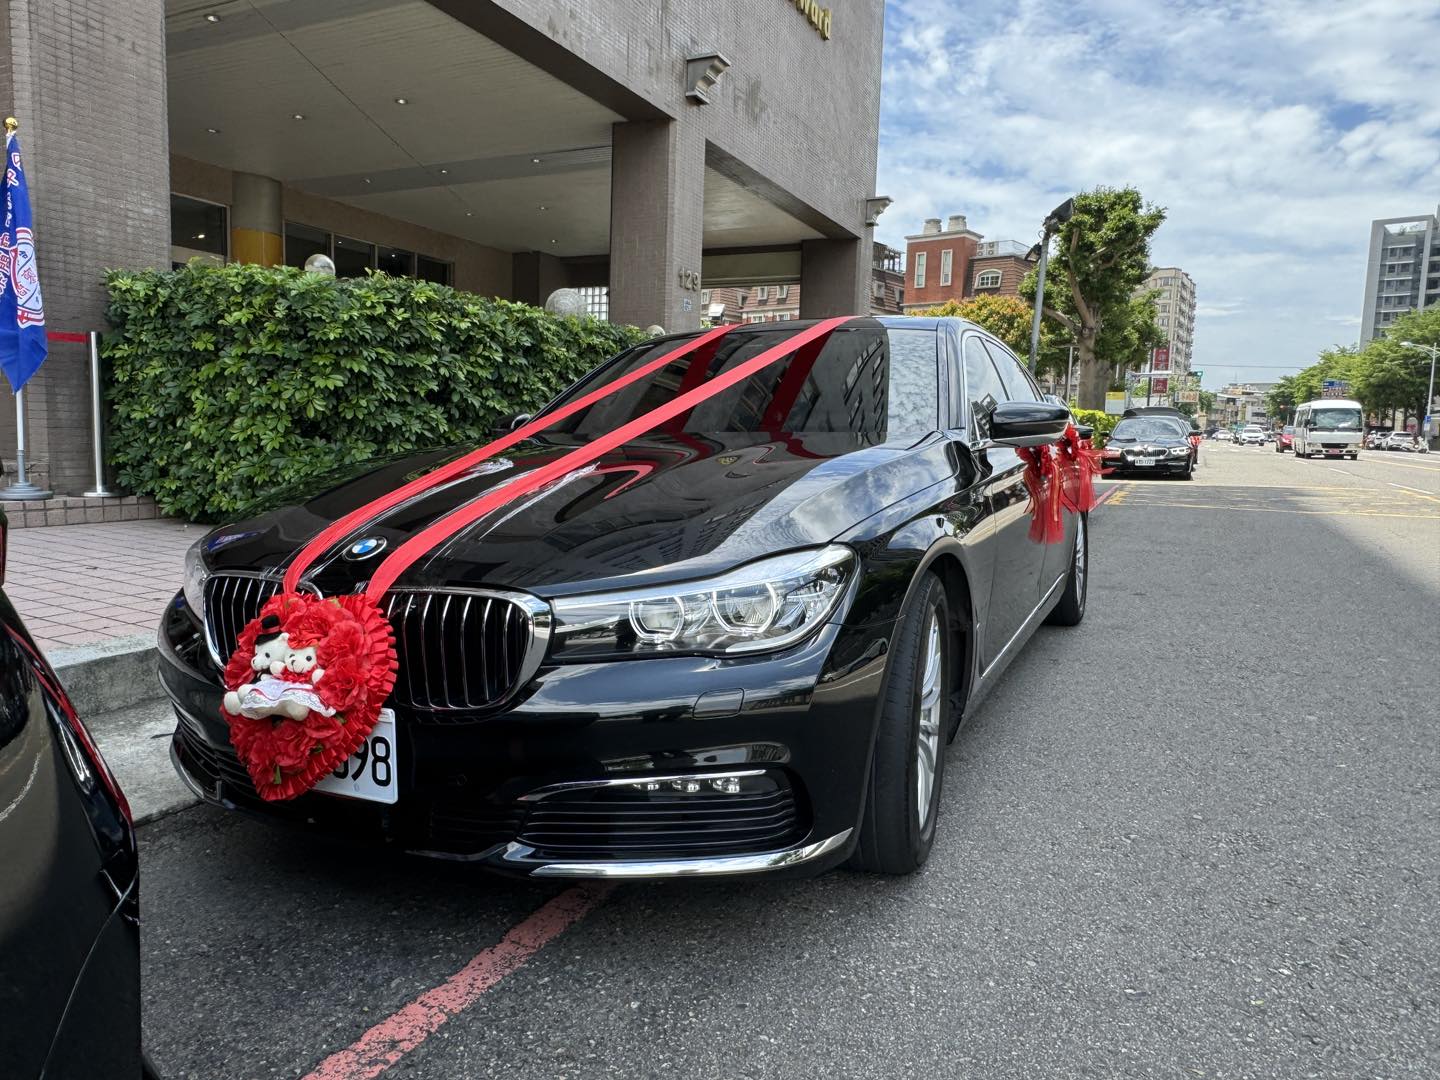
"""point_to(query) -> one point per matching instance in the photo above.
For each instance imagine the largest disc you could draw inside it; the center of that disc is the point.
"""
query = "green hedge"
(1101, 421)
(227, 382)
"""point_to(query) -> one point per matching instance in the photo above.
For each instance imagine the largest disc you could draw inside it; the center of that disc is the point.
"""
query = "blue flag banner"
(22, 315)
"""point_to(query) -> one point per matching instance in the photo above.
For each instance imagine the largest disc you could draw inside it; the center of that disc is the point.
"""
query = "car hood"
(665, 507)
(1145, 444)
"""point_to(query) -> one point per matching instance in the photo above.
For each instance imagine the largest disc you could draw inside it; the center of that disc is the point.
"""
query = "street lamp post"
(1056, 218)
(1429, 393)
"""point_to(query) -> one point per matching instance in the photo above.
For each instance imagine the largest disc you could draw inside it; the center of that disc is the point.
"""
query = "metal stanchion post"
(97, 421)
(22, 488)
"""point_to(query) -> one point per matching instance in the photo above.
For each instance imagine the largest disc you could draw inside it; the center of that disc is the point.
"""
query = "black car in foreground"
(1150, 445)
(69, 907)
(737, 643)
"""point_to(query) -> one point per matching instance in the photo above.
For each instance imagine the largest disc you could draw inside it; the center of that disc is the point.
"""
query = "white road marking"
(1403, 487)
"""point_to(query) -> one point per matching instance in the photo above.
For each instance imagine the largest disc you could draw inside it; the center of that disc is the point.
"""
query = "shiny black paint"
(69, 926)
(1026, 420)
(670, 508)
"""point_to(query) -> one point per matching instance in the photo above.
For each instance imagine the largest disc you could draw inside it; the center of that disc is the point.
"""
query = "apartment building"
(1403, 271)
(955, 263)
(1175, 307)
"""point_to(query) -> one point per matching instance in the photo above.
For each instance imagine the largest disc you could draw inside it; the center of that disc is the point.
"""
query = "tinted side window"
(980, 375)
(1015, 377)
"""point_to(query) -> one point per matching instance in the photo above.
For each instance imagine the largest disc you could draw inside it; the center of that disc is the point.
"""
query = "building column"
(835, 277)
(94, 134)
(657, 208)
(257, 221)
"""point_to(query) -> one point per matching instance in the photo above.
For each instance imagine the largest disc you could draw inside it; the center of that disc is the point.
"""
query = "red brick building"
(956, 262)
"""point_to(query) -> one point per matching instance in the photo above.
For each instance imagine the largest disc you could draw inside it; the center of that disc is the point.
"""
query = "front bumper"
(554, 784)
(1161, 465)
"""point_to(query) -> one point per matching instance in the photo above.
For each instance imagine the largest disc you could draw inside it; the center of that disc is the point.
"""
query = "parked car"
(1252, 435)
(1285, 439)
(738, 643)
(69, 909)
(1224, 435)
(1150, 445)
(1196, 437)
(1401, 440)
(1374, 438)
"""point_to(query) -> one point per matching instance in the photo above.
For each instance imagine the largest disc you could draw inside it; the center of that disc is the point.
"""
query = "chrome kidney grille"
(459, 650)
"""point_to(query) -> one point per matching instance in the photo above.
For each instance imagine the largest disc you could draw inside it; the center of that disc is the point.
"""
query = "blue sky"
(1272, 132)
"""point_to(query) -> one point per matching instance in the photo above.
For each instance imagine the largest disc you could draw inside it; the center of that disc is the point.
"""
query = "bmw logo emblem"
(363, 549)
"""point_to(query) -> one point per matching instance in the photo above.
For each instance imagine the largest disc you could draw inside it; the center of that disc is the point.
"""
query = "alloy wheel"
(927, 737)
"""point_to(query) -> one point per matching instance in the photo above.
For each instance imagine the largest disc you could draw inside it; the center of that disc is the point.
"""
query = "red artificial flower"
(343, 683)
(290, 742)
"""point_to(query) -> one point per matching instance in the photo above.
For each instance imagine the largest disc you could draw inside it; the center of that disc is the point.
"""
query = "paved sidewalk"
(87, 585)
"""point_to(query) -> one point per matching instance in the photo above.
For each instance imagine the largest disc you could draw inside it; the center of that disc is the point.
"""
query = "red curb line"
(394, 1037)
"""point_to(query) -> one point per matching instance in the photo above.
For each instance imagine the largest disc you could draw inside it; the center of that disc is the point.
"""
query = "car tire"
(1071, 608)
(902, 802)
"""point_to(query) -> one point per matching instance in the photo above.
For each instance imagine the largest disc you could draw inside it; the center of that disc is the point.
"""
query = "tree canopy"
(1100, 262)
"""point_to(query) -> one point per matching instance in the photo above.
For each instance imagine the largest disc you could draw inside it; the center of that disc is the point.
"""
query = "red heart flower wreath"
(305, 685)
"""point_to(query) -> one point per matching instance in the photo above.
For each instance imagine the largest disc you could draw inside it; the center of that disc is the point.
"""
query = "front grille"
(458, 651)
(625, 823)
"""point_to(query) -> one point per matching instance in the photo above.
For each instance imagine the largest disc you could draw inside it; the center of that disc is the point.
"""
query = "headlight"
(766, 605)
(1179, 451)
(195, 574)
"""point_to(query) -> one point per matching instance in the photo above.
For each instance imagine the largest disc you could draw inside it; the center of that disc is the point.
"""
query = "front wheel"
(902, 800)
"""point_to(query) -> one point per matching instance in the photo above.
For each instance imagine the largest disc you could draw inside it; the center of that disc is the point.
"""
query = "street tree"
(1008, 318)
(1101, 258)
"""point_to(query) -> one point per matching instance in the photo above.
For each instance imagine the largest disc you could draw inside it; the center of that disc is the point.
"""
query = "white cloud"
(1273, 132)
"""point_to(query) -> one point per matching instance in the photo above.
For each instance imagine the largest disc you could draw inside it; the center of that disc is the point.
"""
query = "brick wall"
(87, 82)
(1012, 271)
(962, 249)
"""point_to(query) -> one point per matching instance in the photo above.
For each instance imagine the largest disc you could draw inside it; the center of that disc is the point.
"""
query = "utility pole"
(1056, 218)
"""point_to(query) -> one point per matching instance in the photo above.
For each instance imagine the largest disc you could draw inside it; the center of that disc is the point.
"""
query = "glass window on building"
(428, 269)
(783, 291)
(352, 257)
(947, 261)
(920, 270)
(198, 230)
(762, 293)
(704, 296)
(395, 261)
(302, 241)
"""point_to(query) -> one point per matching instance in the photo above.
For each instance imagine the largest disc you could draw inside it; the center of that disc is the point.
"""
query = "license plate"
(1144, 462)
(1334, 453)
(369, 773)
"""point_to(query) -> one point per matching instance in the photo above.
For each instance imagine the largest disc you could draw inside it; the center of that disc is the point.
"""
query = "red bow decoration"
(1059, 478)
(305, 685)
(1081, 464)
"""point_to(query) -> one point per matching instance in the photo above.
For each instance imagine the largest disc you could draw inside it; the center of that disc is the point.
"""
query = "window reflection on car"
(1335, 420)
(1149, 428)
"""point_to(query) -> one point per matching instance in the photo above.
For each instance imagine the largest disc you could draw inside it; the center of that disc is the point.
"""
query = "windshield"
(867, 382)
(1335, 420)
(1150, 427)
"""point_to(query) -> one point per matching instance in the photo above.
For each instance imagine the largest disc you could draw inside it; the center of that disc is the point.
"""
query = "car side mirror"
(1086, 431)
(1028, 423)
(520, 420)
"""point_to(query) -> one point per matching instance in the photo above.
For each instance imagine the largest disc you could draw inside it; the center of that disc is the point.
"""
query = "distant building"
(780, 301)
(955, 263)
(1241, 403)
(1175, 307)
(1403, 272)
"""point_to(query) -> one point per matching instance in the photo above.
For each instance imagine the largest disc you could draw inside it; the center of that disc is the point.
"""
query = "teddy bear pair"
(287, 674)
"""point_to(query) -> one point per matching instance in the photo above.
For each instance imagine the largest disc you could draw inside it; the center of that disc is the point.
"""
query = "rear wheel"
(1071, 608)
(902, 801)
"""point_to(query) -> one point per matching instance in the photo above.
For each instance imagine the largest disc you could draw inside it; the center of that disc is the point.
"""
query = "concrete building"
(780, 301)
(510, 147)
(955, 262)
(1176, 313)
(1403, 271)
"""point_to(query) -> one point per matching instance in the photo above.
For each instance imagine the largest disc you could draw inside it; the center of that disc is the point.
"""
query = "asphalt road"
(1196, 838)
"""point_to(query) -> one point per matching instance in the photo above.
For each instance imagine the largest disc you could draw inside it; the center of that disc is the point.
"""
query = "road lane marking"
(1402, 464)
(1278, 510)
(1416, 492)
(394, 1037)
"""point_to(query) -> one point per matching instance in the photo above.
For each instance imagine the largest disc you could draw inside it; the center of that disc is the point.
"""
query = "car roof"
(1331, 402)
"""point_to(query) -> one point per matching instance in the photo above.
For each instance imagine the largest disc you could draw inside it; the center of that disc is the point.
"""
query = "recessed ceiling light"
(402, 101)
(199, 236)
(552, 241)
(534, 161)
(544, 208)
(297, 116)
(213, 131)
(444, 172)
(366, 179)
(212, 17)
(469, 213)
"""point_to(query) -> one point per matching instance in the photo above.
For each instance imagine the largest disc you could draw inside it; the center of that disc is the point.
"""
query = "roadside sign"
(1115, 402)
(1190, 397)
(1160, 360)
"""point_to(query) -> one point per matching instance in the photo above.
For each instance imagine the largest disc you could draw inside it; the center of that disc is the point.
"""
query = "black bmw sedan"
(738, 642)
(1151, 445)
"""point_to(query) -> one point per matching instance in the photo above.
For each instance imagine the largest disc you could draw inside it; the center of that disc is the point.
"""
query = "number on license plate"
(1144, 461)
(369, 773)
